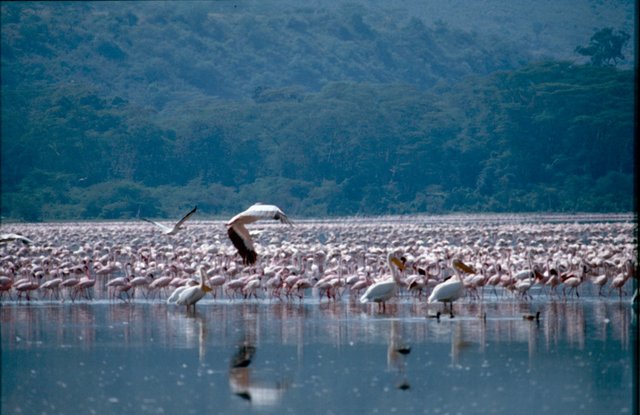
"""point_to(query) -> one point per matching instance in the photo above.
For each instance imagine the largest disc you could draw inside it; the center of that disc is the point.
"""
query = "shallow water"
(310, 357)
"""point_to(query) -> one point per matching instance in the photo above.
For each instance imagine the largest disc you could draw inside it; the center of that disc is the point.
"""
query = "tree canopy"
(119, 112)
(605, 47)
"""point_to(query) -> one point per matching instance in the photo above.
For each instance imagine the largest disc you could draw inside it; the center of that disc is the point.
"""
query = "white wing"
(173, 230)
(163, 228)
(449, 290)
(185, 218)
(380, 291)
(190, 296)
(7, 237)
(257, 212)
(175, 294)
(239, 234)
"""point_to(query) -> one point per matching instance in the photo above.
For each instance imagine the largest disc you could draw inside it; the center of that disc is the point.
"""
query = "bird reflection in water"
(243, 382)
(462, 339)
(397, 353)
(196, 332)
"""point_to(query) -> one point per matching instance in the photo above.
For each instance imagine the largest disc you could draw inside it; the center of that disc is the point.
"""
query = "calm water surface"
(271, 357)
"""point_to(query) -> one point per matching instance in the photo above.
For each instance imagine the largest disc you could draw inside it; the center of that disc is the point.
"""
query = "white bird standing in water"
(382, 291)
(191, 295)
(451, 289)
(172, 231)
(239, 234)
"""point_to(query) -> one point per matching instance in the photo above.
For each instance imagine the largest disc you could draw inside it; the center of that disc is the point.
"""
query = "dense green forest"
(120, 110)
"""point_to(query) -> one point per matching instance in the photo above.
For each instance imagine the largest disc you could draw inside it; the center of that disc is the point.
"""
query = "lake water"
(265, 356)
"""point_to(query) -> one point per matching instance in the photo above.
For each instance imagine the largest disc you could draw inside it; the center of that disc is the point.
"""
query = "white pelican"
(172, 231)
(450, 290)
(239, 234)
(383, 290)
(191, 295)
(176, 293)
(8, 237)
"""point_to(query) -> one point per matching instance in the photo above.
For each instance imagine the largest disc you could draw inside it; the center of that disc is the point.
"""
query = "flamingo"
(250, 288)
(5, 285)
(619, 280)
(494, 280)
(301, 285)
(172, 231)
(160, 284)
(239, 234)
(26, 287)
(216, 282)
(70, 283)
(118, 286)
(573, 281)
(85, 283)
(417, 282)
(382, 291)
(600, 281)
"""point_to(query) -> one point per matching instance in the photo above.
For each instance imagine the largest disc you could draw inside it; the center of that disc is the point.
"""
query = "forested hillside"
(118, 110)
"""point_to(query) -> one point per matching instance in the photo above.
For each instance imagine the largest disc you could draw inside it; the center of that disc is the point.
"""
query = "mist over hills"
(114, 110)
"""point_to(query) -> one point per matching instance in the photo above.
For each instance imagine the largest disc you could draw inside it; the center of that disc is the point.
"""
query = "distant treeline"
(547, 137)
(464, 128)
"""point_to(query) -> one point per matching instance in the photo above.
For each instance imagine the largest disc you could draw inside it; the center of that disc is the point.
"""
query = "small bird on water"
(530, 317)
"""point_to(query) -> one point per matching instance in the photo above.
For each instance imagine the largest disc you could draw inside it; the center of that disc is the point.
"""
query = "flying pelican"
(7, 237)
(450, 290)
(172, 231)
(383, 290)
(191, 295)
(239, 234)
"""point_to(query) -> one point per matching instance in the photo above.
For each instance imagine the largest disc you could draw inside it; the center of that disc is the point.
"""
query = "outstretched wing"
(162, 227)
(172, 230)
(241, 239)
(240, 236)
(186, 217)
(7, 237)
(258, 212)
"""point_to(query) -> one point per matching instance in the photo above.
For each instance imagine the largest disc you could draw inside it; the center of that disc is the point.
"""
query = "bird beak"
(398, 263)
(463, 267)
(206, 288)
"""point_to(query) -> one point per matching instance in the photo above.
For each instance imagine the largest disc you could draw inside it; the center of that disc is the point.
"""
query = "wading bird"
(172, 231)
(239, 234)
(191, 295)
(451, 289)
(381, 291)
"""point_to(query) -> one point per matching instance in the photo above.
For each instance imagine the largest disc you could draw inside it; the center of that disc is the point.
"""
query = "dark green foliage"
(141, 111)
(605, 47)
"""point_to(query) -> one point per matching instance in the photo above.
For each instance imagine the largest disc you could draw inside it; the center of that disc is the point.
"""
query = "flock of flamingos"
(435, 259)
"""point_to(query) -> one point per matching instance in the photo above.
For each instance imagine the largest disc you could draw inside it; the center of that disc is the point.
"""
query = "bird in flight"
(239, 234)
(7, 237)
(172, 231)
